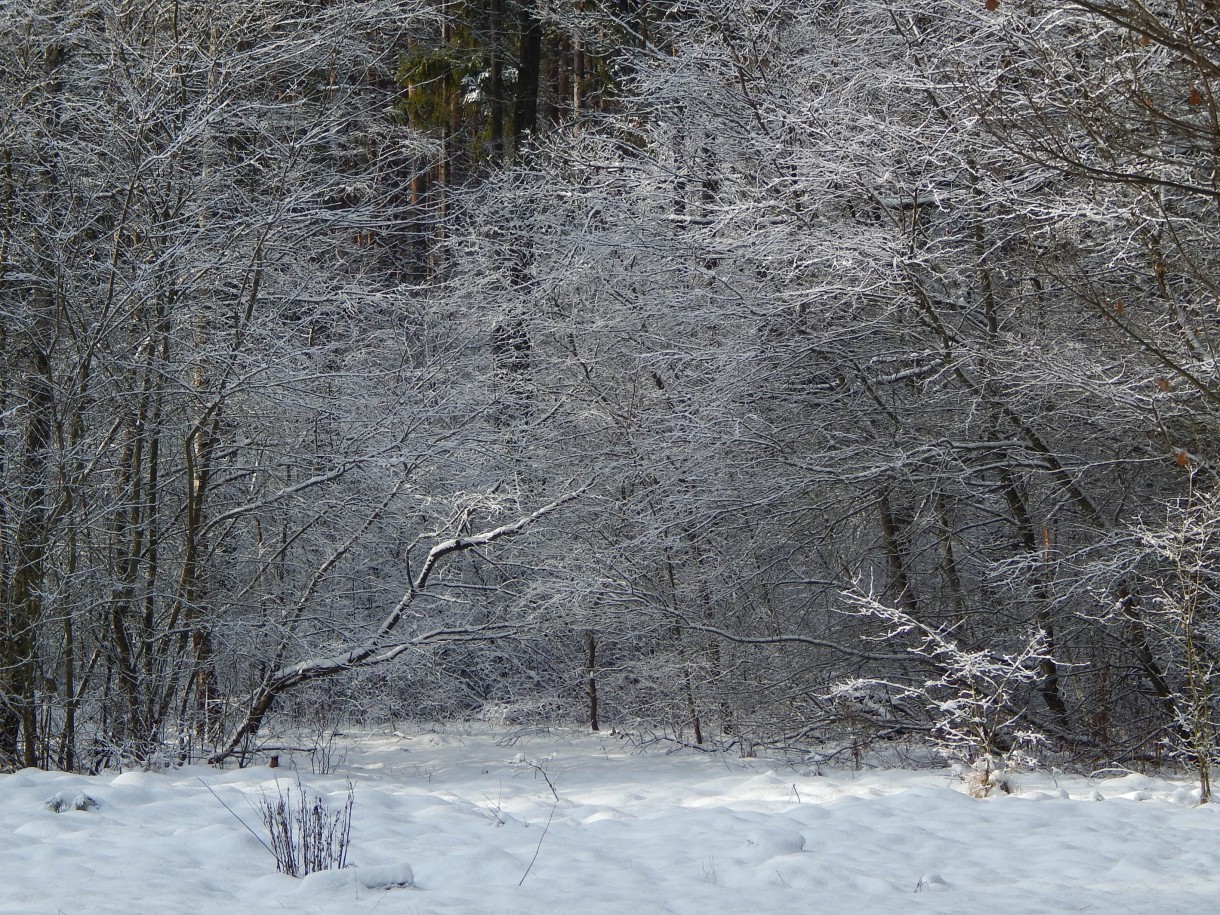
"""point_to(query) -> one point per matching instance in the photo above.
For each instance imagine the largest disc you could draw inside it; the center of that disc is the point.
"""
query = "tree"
(193, 196)
(380, 646)
(910, 299)
(816, 338)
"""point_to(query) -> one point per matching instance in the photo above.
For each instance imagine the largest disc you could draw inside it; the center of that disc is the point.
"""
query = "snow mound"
(136, 777)
(376, 877)
(931, 883)
(767, 786)
(1187, 797)
(322, 881)
(69, 800)
(772, 841)
(386, 876)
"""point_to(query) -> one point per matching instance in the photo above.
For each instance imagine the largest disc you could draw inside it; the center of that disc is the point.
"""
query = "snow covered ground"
(632, 832)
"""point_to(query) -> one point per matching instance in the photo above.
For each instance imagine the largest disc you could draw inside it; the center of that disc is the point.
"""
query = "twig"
(540, 838)
(236, 817)
(538, 768)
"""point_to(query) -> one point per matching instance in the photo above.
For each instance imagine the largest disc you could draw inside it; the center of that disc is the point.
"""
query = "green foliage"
(432, 78)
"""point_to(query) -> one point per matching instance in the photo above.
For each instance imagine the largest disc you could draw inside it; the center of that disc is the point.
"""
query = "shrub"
(306, 834)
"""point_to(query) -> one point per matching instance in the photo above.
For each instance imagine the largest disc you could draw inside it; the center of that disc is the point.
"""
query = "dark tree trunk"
(591, 675)
(525, 116)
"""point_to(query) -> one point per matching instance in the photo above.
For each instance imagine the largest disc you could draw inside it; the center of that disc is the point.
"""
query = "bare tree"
(194, 194)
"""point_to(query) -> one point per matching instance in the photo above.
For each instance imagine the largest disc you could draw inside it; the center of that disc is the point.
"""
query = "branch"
(790, 639)
(378, 649)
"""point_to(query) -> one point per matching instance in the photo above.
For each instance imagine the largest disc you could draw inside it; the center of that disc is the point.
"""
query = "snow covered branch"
(379, 649)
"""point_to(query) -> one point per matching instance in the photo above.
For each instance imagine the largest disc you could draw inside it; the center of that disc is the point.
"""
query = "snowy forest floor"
(632, 832)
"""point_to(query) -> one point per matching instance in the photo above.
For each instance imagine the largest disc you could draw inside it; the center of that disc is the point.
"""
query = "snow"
(448, 820)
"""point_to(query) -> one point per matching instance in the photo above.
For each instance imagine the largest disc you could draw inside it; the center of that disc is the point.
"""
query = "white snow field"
(463, 810)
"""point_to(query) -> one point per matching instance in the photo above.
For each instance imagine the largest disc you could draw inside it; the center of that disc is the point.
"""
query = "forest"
(755, 373)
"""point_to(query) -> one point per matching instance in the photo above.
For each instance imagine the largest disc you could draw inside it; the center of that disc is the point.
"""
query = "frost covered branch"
(376, 649)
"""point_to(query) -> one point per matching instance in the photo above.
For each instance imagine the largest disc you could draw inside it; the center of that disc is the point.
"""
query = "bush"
(306, 835)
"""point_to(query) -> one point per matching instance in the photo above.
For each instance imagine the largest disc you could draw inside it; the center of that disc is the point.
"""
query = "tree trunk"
(529, 68)
(591, 678)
